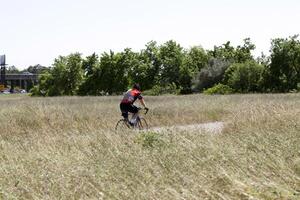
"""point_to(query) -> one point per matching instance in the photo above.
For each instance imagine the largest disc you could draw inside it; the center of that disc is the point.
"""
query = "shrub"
(245, 77)
(149, 139)
(159, 90)
(219, 89)
(210, 75)
(35, 91)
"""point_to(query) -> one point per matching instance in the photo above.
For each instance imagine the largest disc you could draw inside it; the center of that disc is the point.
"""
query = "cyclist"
(129, 98)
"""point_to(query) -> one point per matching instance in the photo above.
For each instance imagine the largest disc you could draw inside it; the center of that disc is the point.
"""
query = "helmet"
(136, 86)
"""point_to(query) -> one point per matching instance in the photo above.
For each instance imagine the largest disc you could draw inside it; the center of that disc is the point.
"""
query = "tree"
(171, 58)
(36, 69)
(45, 86)
(284, 71)
(134, 66)
(149, 58)
(63, 78)
(12, 70)
(243, 53)
(239, 54)
(74, 74)
(211, 74)
(89, 64)
(110, 76)
(245, 77)
(224, 52)
(194, 60)
(263, 59)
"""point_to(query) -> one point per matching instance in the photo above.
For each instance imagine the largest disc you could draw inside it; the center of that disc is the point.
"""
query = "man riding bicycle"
(129, 98)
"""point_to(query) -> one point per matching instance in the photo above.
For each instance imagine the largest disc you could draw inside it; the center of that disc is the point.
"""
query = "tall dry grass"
(65, 148)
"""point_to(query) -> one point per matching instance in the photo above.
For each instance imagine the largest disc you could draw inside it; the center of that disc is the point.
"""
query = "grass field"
(65, 148)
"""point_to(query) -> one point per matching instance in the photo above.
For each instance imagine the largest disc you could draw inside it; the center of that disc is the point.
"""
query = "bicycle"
(139, 124)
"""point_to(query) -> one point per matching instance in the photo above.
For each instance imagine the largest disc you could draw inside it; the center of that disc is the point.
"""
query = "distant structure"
(2, 72)
(23, 81)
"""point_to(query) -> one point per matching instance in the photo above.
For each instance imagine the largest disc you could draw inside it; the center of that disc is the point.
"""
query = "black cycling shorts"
(125, 108)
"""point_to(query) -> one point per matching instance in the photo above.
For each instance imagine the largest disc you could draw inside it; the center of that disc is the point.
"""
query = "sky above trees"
(37, 31)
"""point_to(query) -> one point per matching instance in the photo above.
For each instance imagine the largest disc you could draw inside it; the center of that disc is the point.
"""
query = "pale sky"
(38, 31)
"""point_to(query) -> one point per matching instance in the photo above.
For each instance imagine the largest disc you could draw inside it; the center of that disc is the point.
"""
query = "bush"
(149, 139)
(219, 89)
(159, 90)
(210, 75)
(284, 69)
(35, 91)
(245, 77)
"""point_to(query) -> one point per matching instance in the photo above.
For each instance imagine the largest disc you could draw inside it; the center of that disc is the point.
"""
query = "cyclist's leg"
(124, 110)
(134, 110)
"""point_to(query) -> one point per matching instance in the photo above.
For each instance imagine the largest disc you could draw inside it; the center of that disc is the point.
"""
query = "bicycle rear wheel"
(142, 124)
(122, 125)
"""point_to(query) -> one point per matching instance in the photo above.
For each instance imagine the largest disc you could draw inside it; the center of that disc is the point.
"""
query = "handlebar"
(146, 110)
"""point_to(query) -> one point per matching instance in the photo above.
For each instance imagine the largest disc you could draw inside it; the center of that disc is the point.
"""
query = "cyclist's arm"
(143, 102)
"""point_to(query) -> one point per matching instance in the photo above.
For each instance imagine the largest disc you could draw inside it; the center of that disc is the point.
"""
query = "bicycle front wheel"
(142, 124)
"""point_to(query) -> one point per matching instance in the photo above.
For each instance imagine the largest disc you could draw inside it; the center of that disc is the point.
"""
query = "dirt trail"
(211, 127)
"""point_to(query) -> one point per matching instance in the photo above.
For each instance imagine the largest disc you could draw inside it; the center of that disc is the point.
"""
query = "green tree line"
(170, 68)
(36, 69)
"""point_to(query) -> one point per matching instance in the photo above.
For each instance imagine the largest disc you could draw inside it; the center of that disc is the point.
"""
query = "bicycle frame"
(137, 116)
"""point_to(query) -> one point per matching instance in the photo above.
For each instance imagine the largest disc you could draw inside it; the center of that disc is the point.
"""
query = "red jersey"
(131, 95)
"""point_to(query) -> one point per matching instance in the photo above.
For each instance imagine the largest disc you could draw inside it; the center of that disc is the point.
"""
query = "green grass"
(65, 148)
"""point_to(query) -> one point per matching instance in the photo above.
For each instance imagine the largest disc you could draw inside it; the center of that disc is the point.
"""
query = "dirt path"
(211, 127)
